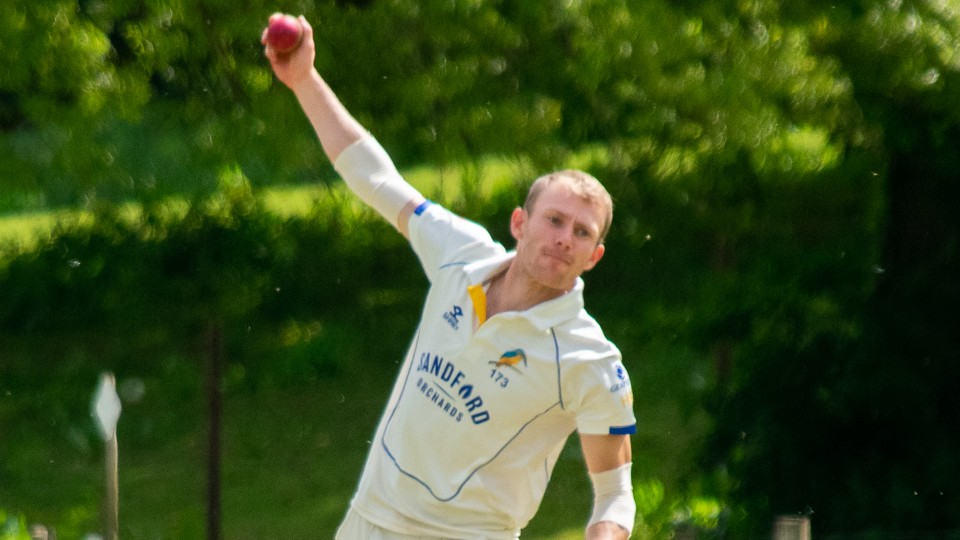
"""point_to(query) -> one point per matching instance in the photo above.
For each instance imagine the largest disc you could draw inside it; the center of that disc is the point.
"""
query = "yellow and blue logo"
(511, 359)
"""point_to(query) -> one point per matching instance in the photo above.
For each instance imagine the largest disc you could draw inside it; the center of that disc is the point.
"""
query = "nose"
(565, 237)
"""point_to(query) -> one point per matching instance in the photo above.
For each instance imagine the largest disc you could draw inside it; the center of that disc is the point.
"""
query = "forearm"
(335, 126)
(614, 509)
(366, 168)
(606, 530)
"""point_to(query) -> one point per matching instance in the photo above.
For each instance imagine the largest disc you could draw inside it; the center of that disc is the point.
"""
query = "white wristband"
(613, 497)
(370, 173)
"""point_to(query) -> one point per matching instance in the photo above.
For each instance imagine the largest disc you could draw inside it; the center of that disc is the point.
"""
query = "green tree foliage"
(57, 77)
(132, 98)
(853, 422)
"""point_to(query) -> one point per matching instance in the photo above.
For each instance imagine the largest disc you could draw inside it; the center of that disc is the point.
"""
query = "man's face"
(559, 238)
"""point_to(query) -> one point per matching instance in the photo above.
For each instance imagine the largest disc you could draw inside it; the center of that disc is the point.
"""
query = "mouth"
(558, 256)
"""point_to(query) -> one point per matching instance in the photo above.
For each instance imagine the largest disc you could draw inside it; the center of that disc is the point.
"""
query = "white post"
(106, 407)
(791, 528)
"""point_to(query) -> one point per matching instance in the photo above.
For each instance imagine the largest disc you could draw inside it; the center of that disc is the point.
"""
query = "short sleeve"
(440, 237)
(599, 394)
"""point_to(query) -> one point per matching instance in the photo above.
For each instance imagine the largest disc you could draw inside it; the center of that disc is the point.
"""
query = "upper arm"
(605, 452)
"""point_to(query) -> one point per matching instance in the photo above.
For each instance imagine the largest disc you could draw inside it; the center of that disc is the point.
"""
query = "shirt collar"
(543, 315)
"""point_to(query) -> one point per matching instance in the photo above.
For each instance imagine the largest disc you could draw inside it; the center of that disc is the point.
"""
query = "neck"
(511, 290)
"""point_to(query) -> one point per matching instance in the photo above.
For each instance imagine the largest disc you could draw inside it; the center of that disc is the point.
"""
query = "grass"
(23, 231)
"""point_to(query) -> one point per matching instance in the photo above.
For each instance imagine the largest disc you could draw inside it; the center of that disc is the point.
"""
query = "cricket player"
(505, 363)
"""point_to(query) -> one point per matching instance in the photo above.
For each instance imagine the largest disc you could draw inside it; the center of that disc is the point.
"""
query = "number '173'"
(499, 378)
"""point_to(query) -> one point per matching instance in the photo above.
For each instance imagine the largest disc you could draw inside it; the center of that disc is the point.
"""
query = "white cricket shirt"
(480, 412)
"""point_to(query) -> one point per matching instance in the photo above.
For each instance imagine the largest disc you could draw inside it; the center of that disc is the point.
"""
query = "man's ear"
(595, 257)
(517, 219)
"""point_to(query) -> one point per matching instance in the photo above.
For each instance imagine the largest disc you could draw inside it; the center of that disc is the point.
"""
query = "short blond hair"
(584, 185)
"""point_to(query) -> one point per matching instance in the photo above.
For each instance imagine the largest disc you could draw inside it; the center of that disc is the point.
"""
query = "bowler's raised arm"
(335, 126)
(367, 169)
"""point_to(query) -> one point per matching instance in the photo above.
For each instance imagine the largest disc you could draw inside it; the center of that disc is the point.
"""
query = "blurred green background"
(782, 276)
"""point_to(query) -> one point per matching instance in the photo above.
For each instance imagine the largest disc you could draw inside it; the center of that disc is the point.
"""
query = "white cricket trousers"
(354, 527)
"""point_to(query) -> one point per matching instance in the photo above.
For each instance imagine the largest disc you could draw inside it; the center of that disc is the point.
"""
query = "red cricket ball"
(284, 33)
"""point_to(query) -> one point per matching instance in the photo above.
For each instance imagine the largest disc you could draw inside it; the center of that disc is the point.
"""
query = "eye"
(555, 220)
(582, 233)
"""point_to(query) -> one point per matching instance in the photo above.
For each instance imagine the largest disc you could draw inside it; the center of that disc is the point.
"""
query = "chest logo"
(511, 359)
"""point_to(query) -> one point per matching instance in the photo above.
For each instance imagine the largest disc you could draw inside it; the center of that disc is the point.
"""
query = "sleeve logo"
(622, 382)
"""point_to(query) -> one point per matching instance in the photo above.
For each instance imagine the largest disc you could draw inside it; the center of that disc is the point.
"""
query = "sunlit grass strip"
(24, 231)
